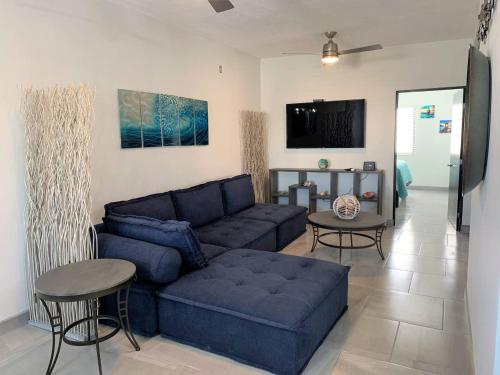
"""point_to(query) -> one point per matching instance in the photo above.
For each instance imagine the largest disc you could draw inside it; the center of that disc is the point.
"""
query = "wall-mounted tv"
(334, 124)
(477, 120)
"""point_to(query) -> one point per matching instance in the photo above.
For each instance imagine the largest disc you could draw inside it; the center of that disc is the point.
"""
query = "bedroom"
(429, 135)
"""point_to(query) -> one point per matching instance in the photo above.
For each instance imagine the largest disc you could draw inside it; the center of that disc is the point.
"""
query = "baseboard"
(441, 188)
(466, 295)
(14, 322)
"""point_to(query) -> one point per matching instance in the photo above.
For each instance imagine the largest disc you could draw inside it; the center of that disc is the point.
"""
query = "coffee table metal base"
(59, 333)
(374, 240)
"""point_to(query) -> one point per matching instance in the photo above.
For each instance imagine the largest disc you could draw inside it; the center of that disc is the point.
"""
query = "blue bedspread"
(403, 178)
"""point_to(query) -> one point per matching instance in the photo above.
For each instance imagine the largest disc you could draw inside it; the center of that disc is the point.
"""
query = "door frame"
(394, 195)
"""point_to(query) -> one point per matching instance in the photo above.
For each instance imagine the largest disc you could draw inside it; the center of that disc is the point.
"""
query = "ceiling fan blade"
(373, 47)
(221, 5)
(300, 53)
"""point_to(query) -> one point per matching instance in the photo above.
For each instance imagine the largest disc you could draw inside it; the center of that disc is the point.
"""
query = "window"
(405, 131)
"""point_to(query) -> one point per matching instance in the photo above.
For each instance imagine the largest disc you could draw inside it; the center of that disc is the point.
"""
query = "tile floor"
(406, 314)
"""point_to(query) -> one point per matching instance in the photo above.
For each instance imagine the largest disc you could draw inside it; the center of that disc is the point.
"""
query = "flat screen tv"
(335, 124)
(476, 121)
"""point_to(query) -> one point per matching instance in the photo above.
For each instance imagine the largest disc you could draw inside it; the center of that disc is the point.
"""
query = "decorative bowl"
(369, 195)
(346, 207)
(323, 163)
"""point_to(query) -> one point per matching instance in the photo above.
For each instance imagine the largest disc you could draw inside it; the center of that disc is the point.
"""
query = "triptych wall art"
(156, 120)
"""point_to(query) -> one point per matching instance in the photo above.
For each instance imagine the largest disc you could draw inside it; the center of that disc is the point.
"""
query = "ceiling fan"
(331, 53)
(221, 5)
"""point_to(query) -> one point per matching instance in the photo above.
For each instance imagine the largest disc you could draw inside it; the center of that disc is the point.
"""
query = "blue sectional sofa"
(209, 276)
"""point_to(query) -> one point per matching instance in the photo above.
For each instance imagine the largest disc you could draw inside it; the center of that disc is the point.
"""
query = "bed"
(403, 178)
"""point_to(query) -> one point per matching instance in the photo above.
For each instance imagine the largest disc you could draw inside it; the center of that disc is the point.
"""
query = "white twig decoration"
(254, 151)
(58, 124)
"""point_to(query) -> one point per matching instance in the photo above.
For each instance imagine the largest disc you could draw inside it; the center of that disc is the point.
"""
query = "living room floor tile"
(367, 336)
(455, 317)
(423, 310)
(380, 278)
(432, 350)
(437, 286)
(404, 247)
(351, 364)
(443, 252)
(357, 297)
(416, 263)
(456, 269)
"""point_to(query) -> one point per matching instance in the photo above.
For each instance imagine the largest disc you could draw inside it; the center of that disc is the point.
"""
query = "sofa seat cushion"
(275, 213)
(239, 233)
(269, 310)
(237, 193)
(199, 205)
(157, 206)
(212, 251)
(291, 220)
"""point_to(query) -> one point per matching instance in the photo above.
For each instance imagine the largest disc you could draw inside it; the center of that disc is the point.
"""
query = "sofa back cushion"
(238, 194)
(199, 205)
(157, 206)
(171, 233)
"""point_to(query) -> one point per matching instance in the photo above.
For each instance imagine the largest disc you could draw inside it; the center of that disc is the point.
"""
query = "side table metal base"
(59, 333)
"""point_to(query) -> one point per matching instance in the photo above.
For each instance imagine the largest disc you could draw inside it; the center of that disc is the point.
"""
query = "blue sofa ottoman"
(290, 220)
(268, 310)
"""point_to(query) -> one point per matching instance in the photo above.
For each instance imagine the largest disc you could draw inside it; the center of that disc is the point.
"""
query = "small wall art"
(444, 126)
(156, 120)
(427, 111)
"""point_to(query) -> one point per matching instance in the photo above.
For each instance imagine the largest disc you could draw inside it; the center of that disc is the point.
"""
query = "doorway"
(427, 168)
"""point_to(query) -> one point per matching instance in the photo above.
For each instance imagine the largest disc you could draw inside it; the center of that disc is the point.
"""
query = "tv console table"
(291, 193)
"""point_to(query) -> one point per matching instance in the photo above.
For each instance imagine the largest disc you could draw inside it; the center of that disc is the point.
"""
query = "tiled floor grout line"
(394, 343)
(411, 281)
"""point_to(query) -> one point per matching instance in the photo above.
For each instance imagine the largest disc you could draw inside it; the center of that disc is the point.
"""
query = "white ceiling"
(265, 28)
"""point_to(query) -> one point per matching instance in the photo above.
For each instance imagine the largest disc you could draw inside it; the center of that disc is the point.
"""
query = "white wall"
(109, 47)
(428, 163)
(374, 76)
(483, 284)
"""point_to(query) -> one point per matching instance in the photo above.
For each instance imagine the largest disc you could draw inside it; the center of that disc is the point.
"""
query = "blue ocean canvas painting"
(150, 120)
(169, 119)
(155, 120)
(201, 122)
(130, 118)
(186, 121)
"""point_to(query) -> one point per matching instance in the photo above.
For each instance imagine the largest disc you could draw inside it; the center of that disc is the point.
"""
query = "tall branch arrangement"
(58, 123)
(254, 151)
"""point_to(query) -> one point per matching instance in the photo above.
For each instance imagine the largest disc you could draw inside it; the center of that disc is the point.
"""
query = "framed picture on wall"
(444, 126)
(427, 111)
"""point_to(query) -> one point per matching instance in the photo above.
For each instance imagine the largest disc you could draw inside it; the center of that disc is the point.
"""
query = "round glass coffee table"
(364, 222)
(86, 281)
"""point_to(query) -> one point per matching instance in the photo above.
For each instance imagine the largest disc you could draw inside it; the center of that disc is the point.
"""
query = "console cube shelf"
(333, 176)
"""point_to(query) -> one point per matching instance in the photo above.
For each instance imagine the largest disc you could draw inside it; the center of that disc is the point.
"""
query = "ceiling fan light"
(329, 59)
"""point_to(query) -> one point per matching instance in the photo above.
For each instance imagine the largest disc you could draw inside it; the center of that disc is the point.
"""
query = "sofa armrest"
(159, 264)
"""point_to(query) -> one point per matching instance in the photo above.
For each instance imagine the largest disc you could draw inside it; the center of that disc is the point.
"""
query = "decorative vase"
(346, 207)
(323, 163)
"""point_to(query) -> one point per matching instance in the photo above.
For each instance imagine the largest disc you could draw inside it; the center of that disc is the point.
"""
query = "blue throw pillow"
(176, 234)
(238, 194)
